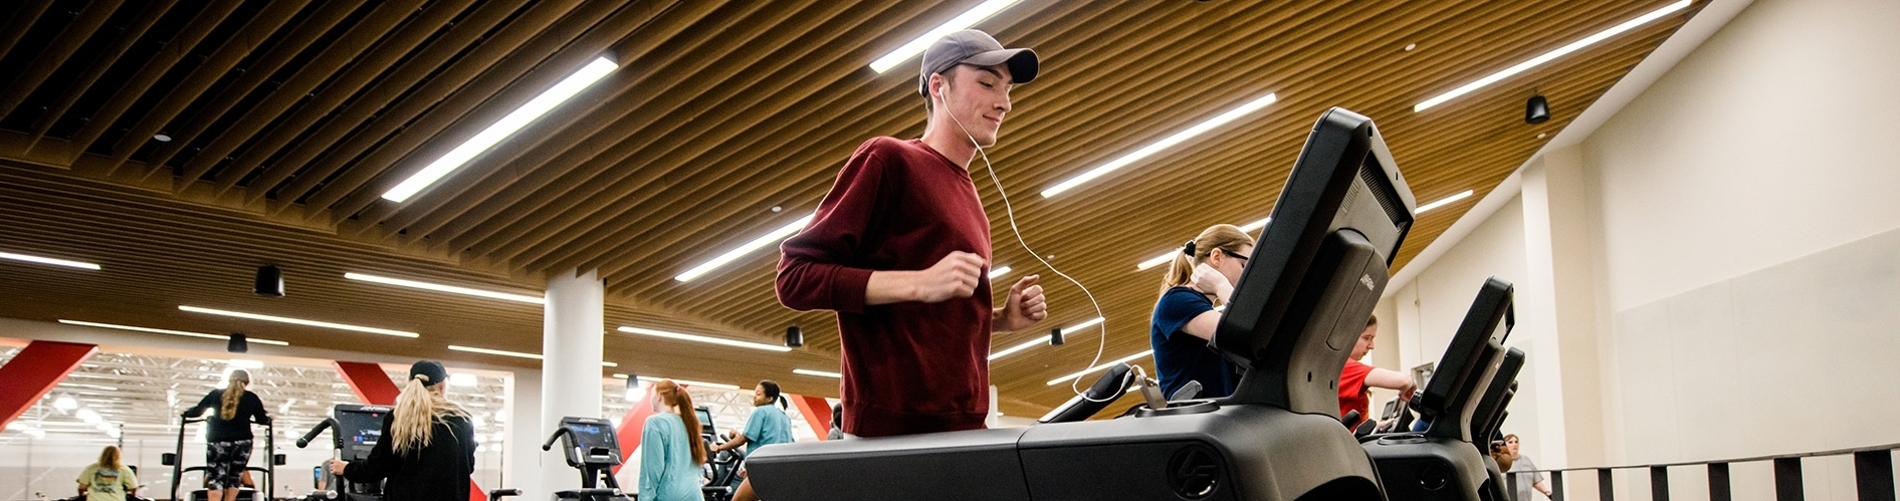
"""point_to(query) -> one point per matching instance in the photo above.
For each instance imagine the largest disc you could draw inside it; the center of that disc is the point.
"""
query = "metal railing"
(1873, 476)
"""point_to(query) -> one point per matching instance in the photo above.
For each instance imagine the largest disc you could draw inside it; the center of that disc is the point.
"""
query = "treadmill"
(1305, 295)
(1461, 405)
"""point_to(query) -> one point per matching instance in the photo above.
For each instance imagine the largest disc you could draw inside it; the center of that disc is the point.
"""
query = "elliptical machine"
(174, 460)
(354, 431)
(590, 446)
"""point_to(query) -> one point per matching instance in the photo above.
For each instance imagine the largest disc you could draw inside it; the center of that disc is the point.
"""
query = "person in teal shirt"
(768, 425)
(670, 449)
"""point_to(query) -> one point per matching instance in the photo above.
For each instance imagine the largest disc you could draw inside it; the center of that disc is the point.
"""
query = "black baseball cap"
(432, 370)
(974, 48)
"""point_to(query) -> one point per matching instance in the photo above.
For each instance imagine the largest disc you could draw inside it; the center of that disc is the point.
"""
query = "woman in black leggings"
(228, 437)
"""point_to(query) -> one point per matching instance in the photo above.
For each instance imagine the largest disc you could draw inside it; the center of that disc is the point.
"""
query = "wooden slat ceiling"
(288, 119)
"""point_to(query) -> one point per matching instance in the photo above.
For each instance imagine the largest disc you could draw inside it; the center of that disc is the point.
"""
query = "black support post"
(1788, 480)
(1718, 483)
(1556, 486)
(1606, 485)
(1659, 483)
(1873, 475)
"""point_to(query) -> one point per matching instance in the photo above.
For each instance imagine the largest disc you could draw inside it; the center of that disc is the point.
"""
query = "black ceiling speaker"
(794, 337)
(237, 343)
(270, 282)
(1537, 110)
(1055, 336)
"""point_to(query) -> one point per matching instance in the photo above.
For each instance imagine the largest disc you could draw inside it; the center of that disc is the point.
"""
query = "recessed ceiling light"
(963, 21)
(1540, 135)
(299, 321)
(48, 260)
(1552, 55)
(780, 234)
(506, 353)
(162, 138)
(704, 339)
(1442, 202)
(1165, 143)
(171, 332)
(998, 272)
(503, 128)
(445, 288)
(1110, 363)
(809, 372)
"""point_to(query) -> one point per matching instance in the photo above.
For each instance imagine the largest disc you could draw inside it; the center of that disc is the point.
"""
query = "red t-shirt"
(898, 205)
(1352, 390)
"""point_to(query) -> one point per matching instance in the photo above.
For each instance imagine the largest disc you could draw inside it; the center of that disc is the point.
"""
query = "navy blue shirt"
(1180, 357)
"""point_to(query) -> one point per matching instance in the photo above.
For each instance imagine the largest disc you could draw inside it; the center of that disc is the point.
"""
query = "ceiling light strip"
(1442, 202)
(299, 321)
(1110, 363)
(218, 337)
(1043, 340)
(775, 236)
(506, 353)
(445, 288)
(503, 128)
(1552, 55)
(48, 260)
(1169, 256)
(998, 272)
(704, 339)
(1159, 146)
(917, 46)
(809, 372)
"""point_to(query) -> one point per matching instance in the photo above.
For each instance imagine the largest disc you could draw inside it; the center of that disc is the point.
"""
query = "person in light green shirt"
(109, 479)
(670, 449)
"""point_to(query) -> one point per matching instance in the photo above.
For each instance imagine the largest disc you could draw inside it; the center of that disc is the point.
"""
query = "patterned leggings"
(224, 462)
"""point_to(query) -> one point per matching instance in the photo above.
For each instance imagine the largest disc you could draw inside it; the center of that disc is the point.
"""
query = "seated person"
(1184, 318)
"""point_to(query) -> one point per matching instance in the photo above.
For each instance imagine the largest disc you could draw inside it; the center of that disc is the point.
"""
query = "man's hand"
(1024, 307)
(336, 467)
(953, 277)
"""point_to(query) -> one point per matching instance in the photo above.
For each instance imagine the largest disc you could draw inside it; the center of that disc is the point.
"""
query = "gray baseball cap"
(975, 48)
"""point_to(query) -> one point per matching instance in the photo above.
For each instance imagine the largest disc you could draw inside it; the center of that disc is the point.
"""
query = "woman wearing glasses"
(1203, 273)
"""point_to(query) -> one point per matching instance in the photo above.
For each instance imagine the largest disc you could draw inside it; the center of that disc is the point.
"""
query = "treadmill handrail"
(327, 423)
(556, 436)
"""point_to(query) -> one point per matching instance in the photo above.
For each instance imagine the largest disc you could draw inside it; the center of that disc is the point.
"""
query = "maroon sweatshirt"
(909, 368)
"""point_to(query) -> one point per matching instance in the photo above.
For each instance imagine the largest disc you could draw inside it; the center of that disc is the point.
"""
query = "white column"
(1557, 301)
(573, 324)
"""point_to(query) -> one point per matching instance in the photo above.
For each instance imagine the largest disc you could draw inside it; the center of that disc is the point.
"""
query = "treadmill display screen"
(360, 428)
(592, 436)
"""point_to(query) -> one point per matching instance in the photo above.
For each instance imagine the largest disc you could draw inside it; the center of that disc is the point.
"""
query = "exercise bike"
(589, 446)
(269, 470)
(354, 431)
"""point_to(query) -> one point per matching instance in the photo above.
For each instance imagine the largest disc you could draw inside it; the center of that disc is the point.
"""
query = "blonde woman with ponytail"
(1204, 272)
(670, 448)
(427, 450)
(228, 434)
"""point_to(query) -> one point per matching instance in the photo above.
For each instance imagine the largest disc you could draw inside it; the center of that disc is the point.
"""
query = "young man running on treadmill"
(900, 249)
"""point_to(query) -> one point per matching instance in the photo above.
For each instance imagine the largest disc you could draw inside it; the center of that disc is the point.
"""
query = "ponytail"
(772, 392)
(417, 410)
(671, 394)
(233, 393)
(1224, 237)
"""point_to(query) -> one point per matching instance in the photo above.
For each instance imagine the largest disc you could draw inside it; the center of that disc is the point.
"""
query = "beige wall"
(1718, 258)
